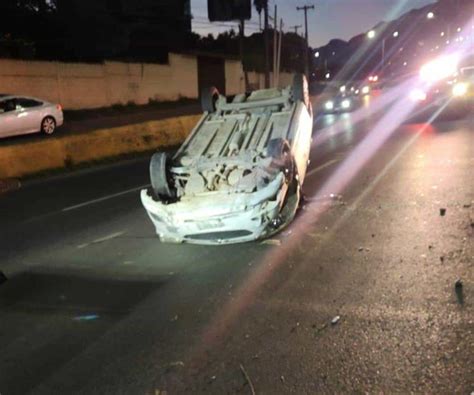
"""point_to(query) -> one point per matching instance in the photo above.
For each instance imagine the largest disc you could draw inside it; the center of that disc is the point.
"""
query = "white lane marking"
(318, 169)
(102, 199)
(102, 239)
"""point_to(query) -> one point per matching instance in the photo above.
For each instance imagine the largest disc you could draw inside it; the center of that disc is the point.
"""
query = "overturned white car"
(238, 175)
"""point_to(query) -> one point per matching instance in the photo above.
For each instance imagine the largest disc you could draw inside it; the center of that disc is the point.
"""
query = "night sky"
(331, 19)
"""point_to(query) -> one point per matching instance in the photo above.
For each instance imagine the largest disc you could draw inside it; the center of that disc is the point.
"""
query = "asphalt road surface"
(358, 295)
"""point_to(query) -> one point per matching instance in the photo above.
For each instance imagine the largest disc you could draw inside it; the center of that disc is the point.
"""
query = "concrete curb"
(22, 160)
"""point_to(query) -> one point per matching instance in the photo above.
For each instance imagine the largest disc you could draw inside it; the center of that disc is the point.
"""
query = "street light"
(371, 35)
(430, 15)
(316, 55)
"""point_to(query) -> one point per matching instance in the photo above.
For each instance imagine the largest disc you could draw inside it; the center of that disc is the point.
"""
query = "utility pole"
(275, 46)
(306, 58)
(267, 46)
(241, 50)
(296, 27)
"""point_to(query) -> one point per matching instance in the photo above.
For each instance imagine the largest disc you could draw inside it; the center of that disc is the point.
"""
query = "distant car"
(24, 115)
(238, 176)
(454, 95)
(341, 100)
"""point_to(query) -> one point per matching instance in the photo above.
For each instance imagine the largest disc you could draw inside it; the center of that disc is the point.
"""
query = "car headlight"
(329, 105)
(365, 90)
(346, 103)
(460, 89)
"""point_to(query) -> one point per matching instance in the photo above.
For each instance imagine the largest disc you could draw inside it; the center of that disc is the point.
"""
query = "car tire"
(301, 90)
(209, 97)
(48, 125)
(159, 176)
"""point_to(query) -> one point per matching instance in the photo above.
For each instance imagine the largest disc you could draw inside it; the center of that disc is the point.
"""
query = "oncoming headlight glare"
(329, 105)
(365, 90)
(439, 69)
(346, 103)
(460, 89)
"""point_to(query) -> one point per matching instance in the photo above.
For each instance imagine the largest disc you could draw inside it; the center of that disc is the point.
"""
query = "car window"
(28, 103)
(7, 106)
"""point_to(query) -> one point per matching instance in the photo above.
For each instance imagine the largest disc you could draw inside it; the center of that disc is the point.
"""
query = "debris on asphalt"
(430, 247)
(361, 249)
(335, 320)
(282, 378)
(458, 288)
(468, 205)
(441, 258)
(272, 242)
(442, 212)
(373, 235)
(89, 317)
(3, 278)
(213, 378)
(247, 377)
(175, 318)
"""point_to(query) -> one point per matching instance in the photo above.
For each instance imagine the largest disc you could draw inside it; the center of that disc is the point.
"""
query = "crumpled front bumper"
(217, 218)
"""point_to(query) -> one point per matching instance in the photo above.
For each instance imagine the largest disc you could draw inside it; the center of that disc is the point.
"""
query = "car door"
(9, 125)
(29, 114)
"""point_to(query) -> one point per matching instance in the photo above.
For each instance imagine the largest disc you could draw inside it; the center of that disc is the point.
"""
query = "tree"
(260, 5)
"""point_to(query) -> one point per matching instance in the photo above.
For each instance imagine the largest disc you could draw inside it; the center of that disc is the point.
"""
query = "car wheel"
(209, 97)
(159, 176)
(300, 89)
(48, 125)
(289, 208)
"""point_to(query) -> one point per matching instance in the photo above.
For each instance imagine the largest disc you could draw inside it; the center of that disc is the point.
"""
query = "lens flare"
(439, 69)
(417, 95)
(460, 89)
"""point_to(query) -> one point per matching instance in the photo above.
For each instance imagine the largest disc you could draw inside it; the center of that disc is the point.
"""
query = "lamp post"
(372, 34)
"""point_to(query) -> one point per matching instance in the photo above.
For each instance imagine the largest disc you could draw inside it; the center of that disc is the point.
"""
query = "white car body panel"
(27, 120)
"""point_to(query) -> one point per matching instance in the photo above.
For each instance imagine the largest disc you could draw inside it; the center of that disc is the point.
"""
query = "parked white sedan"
(24, 115)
